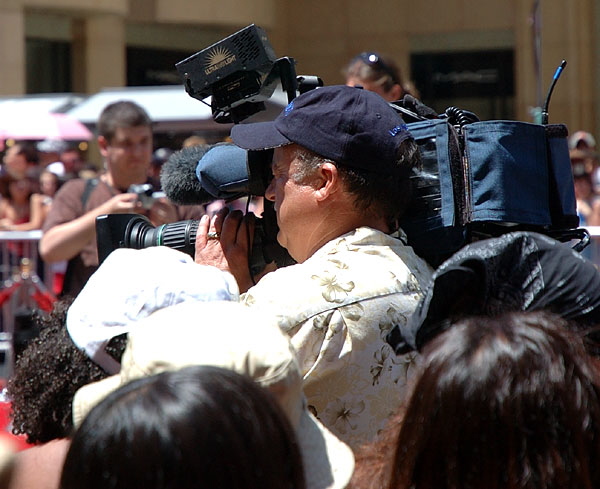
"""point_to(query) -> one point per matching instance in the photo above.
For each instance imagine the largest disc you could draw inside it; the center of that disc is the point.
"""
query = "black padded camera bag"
(484, 178)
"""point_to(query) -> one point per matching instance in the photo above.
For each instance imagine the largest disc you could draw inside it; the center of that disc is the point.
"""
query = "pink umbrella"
(41, 125)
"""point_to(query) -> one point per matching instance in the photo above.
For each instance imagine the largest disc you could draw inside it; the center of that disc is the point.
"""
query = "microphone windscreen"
(178, 177)
(223, 171)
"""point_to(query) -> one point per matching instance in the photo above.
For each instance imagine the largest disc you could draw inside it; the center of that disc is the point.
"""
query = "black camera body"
(137, 232)
(146, 194)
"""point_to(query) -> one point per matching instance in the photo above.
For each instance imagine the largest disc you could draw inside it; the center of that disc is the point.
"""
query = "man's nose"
(270, 192)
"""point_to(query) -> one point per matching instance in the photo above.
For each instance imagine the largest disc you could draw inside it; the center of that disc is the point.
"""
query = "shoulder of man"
(337, 280)
(73, 186)
(68, 203)
(69, 191)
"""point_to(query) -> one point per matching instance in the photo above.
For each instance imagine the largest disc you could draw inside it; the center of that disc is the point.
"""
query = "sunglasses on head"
(374, 60)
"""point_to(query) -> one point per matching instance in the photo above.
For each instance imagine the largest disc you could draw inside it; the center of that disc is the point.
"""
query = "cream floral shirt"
(337, 307)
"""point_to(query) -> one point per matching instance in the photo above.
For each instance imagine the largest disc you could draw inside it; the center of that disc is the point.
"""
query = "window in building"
(48, 66)
(151, 67)
(479, 81)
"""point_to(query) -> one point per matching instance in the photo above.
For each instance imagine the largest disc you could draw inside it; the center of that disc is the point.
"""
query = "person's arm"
(3, 208)
(5, 219)
(39, 466)
(36, 212)
(64, 241)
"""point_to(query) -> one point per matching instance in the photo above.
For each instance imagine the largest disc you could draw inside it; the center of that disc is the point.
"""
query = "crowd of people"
(356, 366)
(48, 186)
(27, 187)
(586, 176)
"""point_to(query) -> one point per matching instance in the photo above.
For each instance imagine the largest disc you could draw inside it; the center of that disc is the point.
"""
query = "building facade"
(494, 57)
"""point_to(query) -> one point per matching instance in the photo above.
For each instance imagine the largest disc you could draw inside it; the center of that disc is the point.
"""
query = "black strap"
(75, 262)
(90, 185)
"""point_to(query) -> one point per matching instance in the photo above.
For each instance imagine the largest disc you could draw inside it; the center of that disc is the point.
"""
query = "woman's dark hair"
(6, 180)
(200, 426)
(29, 152)
(501, 403)
(46, 376)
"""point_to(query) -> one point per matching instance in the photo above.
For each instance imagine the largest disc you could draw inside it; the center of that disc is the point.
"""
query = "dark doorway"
(479, 81)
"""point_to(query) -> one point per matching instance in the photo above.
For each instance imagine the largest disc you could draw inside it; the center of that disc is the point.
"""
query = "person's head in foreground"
(342, 158)
(500, 403)
(82, 340)
(229, 335)
(200, 426)
(377, 73)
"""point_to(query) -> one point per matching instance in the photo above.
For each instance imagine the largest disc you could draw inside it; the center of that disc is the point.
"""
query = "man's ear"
(328, 181)
(102, 145)
(396, 92)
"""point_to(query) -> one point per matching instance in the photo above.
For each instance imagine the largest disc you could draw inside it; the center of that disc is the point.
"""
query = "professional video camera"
(191, 176)
(239, 73)
(478, 179)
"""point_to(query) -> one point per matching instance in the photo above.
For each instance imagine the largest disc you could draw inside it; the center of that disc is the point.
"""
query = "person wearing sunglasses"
(379, 74)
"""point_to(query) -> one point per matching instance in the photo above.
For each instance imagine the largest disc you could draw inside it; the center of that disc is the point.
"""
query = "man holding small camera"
(125, 142)
(341, 165)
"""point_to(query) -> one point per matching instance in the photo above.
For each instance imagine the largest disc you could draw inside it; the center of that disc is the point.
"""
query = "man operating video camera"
(341, 164)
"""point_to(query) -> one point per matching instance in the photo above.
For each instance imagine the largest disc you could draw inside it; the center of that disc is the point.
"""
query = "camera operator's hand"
(229, 251)
(162, 211)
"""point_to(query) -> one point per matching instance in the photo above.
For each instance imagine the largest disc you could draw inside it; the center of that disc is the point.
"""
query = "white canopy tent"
(169, 107)
(39, 117)
(46, 102)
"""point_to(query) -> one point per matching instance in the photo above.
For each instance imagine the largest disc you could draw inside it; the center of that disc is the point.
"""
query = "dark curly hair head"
(47, 374)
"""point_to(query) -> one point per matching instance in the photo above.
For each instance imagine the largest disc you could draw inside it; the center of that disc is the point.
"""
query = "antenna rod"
(557, 74)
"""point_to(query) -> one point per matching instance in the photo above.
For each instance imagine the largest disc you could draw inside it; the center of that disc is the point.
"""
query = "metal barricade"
(21, 284)
(6, 356)
(13, 241)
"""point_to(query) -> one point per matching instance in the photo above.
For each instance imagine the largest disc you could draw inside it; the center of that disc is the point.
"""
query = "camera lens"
(137, 232)
(179, 235)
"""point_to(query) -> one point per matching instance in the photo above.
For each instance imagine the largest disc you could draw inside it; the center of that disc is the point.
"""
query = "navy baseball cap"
(348, 125)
